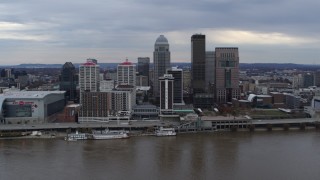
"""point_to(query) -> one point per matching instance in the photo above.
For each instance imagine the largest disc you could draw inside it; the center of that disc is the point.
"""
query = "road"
(111, 124)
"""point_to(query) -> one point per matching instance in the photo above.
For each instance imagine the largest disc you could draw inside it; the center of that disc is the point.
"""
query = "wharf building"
(143, 68)
(145, 112)
(161, 62)
(226, 74)
(69, 81)
(177, 74)
(30, 107)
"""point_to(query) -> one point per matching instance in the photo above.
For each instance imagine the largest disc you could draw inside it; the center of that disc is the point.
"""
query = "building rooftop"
(162, 40)
(89, 64)
(29, 94)
(127, 63)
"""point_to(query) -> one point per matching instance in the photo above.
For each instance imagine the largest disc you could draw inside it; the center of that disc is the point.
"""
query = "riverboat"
(76, 136)
(165, 132)
(107, 134)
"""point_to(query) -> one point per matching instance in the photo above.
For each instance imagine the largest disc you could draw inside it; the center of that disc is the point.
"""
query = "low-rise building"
(19, 107)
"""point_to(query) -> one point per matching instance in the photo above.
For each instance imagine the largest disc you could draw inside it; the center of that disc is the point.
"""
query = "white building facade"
(126, 74)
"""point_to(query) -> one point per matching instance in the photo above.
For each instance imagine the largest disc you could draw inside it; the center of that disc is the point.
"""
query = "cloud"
(129, 28)
(256, 38)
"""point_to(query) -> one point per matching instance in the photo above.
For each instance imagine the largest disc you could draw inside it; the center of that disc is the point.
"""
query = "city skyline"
(111, 31)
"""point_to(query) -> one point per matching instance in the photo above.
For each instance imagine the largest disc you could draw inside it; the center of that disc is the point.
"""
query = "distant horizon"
(137, 62)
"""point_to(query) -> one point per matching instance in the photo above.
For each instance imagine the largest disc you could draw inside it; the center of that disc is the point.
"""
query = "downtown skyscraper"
(198, 60)
(126, 74)
(69, 81)
(227, 74)
(161, 60)
(89, 80)
(143, 67)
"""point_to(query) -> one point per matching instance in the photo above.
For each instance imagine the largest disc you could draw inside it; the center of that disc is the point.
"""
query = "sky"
(58, 31)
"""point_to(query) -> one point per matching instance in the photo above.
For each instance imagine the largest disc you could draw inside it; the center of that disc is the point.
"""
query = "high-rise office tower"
(210, 71)
(308, 80)
(317, 78)
(89, 74)
(143, 67)
(198, 63)
(161, 61)
(227, 74)
(126, 73)
(177, 74)
(166, 93)
(69, 81)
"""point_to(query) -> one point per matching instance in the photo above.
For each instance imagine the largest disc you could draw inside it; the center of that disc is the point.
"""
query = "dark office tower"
(316, 80)
(198, 63)
(227, 74)
(308, 80)
(69, 81)
(143, 67)
(161, 61)
(166, 93)
(210, 71)
(177, 74)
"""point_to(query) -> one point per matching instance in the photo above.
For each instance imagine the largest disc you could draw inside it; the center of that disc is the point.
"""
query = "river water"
(240, 155)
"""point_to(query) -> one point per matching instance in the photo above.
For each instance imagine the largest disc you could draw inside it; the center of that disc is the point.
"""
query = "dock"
(207, 125)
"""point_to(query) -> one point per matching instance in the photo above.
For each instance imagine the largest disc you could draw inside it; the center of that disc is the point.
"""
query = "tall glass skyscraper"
(198, 63)
(69, 81)
(161, 60)
(143, 67)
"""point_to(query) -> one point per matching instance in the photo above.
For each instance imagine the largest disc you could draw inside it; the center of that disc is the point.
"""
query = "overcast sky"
(56, 31)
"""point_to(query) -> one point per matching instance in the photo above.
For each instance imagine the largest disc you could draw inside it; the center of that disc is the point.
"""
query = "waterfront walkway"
(207, 124)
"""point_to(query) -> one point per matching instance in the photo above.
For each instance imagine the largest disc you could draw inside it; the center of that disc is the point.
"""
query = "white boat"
(165, 132)
(107, 134)
(36, 133)
(76, 136)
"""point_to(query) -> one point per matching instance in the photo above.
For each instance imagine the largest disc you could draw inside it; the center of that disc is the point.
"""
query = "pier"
(207, 125)
(228, 124)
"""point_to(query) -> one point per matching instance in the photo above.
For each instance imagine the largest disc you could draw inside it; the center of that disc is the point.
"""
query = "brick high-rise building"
(227, 74)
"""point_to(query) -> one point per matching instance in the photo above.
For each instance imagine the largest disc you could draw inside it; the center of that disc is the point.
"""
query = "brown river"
(231, 155)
